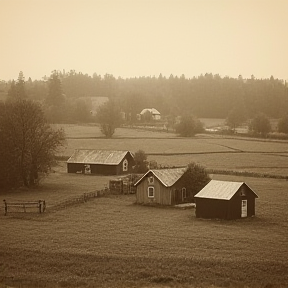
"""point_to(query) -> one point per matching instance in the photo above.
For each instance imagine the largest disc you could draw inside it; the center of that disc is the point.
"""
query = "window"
(151, 180)
(125, 165)
(150, 192)
(184, 193)
(242, 192)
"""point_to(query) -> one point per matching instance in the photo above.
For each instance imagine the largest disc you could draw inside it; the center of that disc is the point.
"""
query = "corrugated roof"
(167, 177)
(223, 190)
(89, 156)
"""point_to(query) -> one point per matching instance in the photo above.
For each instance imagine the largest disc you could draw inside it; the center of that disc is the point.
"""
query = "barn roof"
(107, 157)
(168, 177)
(223, 190)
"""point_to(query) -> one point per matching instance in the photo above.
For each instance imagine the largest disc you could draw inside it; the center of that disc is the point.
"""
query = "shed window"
(150, 192)
(151, 180)
(242, 192)
(125, 165)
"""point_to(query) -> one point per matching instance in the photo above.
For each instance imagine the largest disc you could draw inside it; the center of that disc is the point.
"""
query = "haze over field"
(132, 38)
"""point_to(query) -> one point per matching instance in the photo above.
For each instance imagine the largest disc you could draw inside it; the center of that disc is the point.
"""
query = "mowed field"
(211, 151)
(112, 242)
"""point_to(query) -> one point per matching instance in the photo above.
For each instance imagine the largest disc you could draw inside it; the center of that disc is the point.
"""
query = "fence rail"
(22, 206)
(41, 205)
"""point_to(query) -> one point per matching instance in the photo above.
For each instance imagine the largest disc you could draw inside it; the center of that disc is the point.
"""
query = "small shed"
(225, 200)
(162, 186)
(100, 162)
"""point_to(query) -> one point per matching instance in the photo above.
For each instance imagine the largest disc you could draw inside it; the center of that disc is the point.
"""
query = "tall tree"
(17, 90)
(55, 95)
(109, 117)
(55, 100)
(28, 143)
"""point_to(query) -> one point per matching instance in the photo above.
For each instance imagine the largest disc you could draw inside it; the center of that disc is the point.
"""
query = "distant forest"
(205, 96)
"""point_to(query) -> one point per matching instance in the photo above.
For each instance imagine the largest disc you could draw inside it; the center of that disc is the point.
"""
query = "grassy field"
(211, 151)
(112, 242)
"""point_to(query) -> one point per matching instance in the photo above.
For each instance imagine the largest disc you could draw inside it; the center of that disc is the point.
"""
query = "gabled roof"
(107, 157)
(152, 110)
(223, 190)
(168, 177)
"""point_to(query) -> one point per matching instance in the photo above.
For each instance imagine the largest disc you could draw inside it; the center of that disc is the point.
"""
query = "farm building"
(154, 113)
(225, 200)
(101, 162)
(161, 186)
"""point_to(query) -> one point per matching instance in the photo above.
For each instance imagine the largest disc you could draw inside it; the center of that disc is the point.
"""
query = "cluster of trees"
(206, 96)
(28, 143)
(64, 99)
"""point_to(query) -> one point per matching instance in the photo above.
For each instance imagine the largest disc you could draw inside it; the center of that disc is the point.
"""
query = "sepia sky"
(132, 38)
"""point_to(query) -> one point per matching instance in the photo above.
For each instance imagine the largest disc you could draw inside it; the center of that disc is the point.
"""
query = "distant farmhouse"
(101, 162)
(161, 186)
(225, 200)
(154, 113)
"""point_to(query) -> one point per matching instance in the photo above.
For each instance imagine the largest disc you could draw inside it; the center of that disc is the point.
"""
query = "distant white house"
(155, 113)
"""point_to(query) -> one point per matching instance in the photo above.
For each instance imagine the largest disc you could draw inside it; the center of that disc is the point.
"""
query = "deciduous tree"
(195, 178)
(189, 126)
(141, 163)
(283, 124)
(109, 117)
(28, 143)
(260, 124)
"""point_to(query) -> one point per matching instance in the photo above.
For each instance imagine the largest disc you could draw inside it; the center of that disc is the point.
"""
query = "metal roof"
(223, 190)
(167, 177)
(88, 156)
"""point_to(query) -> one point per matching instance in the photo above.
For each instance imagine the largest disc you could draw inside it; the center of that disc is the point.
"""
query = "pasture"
(112, 242)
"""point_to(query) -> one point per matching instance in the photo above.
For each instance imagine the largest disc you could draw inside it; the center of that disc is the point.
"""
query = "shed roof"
(222, 190)
(107, 157)
(168, 177)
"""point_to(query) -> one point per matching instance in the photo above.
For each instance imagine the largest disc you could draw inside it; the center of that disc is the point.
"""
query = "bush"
(189, 126)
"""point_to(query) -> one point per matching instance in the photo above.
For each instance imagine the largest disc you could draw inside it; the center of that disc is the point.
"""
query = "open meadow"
(111, 242)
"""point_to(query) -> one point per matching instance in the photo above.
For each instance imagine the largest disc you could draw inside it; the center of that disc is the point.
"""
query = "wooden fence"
(24, 206)
(77, 200)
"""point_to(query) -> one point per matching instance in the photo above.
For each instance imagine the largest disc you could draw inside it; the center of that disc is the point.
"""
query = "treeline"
(205, 96)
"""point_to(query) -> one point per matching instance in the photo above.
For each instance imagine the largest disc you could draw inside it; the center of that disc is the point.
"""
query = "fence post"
(39, 205)
(5, 209)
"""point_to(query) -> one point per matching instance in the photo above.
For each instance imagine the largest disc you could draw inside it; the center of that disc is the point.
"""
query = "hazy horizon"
(144, 38)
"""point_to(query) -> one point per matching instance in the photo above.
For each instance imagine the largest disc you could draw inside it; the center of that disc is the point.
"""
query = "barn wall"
(211, 208)
(101, 169)
(162, 194)
(235, 204)
(75, 167)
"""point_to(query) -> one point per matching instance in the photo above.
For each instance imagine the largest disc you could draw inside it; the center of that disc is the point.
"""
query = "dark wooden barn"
(225, 200)
(101, 162)
(161, 186)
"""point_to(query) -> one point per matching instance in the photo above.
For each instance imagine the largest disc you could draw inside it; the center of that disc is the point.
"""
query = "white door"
(244, 209)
